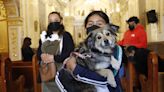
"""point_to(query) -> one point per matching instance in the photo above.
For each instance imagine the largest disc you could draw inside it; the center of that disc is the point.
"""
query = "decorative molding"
(2, 11)
(15, 26)
(15, 21)
(15, 42)
(36, 23)
(11, 9)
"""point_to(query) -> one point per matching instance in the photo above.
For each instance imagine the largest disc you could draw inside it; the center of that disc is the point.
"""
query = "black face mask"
(131, 27)
(93, 27)
(54, 26)
(30, 43)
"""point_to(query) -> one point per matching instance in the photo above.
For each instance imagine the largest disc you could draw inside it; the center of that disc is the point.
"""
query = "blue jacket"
(90, 77)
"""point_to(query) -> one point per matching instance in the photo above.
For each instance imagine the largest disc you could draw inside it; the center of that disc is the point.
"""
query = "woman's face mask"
(93, 27)
(54, 26)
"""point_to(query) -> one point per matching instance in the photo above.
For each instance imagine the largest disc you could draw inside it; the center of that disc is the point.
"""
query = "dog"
(96, 54)
(50, 44)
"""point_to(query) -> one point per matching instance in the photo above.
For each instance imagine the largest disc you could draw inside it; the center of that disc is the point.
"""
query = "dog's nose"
(106, 42)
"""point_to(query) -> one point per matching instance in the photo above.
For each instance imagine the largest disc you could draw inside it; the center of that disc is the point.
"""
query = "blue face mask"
(93, 27)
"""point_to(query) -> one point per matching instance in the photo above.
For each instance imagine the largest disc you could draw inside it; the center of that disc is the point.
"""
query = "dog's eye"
(99, 37)
(107, 34)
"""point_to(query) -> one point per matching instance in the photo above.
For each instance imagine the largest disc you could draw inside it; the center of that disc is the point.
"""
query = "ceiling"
(83, 7)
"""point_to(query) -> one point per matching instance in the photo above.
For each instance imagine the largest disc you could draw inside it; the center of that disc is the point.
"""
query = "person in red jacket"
(135, 36)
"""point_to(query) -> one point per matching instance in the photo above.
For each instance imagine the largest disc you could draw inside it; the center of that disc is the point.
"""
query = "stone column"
(14, 25)
(15, 34)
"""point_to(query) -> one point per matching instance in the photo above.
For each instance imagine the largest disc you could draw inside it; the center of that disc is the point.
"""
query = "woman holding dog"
(49, 63)
(94, 20)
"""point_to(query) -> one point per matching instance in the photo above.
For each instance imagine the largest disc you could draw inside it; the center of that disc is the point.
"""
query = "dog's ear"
(90, 40)
(114, 27)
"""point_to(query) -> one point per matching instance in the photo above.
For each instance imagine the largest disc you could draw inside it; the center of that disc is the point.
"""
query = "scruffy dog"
(96, 54)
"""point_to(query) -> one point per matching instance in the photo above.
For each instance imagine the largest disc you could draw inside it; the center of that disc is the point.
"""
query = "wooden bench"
(150, 84)
(23, 68)
(30, 70)
(158, 47)
(7, 83)
(130, 80)
(35, 65)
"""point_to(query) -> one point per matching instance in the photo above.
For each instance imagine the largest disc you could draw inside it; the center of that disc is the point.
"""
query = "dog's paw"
(111, 79)
(115, 63)
(113, 83)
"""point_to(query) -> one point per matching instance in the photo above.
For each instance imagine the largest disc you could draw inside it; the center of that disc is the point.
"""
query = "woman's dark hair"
(61, 30)
(131, 48)
(26, 42)
(54, 12)
(99, 13)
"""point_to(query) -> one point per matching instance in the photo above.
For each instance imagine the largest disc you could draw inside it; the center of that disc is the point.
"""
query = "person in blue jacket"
(94, 20)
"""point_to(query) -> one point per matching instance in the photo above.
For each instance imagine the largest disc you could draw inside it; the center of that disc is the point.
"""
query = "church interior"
(28, 18)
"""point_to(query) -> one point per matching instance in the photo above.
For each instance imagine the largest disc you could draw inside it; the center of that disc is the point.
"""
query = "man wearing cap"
(135, 35)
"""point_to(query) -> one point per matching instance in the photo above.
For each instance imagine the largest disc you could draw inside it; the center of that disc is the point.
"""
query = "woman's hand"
(47, 58)
(48, 68)
(70, 63)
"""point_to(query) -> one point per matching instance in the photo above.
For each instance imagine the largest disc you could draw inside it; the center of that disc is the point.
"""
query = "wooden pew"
(30, 70)
(130, 80)
(2, 85)
(23, 68)
(157, 47)
(35, 65)
(150, 84)
(7, 83)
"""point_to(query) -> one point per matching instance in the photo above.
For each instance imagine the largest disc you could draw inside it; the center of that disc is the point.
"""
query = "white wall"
(156, 34)
(30, 16)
